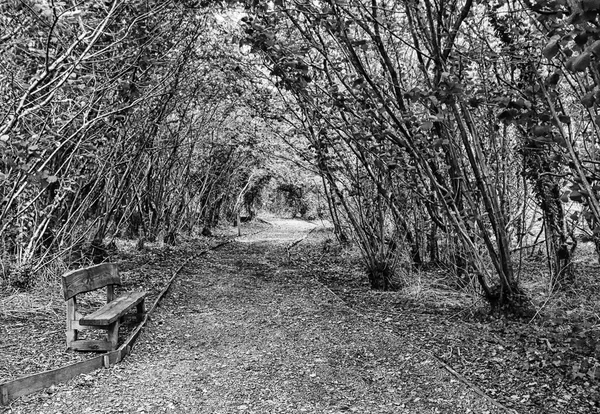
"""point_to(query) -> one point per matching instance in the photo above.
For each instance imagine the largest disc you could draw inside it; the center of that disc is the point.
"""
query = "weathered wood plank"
(76, 326)
(122, 353)
(3, 395)
(71, 320)
(27, 385)
(90, 278)
(91, 345)
(112, 311)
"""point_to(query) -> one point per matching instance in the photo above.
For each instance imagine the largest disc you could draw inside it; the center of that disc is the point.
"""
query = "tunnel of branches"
(459, 135)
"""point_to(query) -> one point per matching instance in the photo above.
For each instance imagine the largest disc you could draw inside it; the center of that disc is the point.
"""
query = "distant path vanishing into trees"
(242, 331)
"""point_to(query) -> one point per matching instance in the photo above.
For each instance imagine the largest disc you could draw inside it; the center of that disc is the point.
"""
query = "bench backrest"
(90, 278)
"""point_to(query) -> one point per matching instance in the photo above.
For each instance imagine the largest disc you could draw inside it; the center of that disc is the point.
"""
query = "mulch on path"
(243, 330)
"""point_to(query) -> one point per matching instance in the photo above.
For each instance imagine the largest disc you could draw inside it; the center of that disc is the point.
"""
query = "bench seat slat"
(113, 310)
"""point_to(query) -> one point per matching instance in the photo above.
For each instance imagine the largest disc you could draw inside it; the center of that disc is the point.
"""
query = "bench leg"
(71, 336)
(113, 334)
(71, 317)
(140, 308)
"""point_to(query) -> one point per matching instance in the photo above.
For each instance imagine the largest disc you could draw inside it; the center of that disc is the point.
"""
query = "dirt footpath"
(240, 332)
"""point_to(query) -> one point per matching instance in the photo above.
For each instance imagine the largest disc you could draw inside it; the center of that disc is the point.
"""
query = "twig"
(264, 221)
(289, 247)
(473, 387)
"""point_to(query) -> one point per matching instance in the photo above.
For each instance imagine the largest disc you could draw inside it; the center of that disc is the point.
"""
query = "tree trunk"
(380, 276)
(432, 246)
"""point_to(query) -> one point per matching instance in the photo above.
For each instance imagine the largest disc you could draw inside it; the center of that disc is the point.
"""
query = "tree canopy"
(453, 132)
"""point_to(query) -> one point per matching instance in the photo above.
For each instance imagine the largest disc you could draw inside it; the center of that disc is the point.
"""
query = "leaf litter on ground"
(529, 366)
(524, 366)
(260, 336)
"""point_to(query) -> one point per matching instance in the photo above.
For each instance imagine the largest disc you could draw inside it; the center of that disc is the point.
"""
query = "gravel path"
(240, 332)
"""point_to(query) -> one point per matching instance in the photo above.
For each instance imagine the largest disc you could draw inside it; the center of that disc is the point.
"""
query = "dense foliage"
(446, 126)
(130, 118)
(460, 132)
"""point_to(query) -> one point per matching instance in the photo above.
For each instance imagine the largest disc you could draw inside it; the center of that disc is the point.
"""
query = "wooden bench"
(108, 317)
